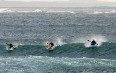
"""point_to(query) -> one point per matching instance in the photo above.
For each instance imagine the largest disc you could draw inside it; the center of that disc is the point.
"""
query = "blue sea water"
(69, 28)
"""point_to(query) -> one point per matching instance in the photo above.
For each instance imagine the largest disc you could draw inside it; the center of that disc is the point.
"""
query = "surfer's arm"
(7, 44)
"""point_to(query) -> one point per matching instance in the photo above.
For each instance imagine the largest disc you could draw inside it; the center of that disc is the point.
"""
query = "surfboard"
(93, 45)
(88, 44)
(7, 48)
(48, 47)
(10, 49)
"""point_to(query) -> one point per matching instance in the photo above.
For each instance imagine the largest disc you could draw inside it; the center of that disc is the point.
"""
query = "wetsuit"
(93, 42)
(10, 45)
(51, 44)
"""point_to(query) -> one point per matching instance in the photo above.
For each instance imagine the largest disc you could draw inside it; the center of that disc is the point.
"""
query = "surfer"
(51, 45)
(10, 45)
(93, 43)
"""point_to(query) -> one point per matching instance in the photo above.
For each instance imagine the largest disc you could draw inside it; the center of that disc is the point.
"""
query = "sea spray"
(98, 38)
(59, 42)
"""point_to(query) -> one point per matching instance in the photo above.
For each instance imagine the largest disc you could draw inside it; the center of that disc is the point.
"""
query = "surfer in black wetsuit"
(10, 45)
(93, 42)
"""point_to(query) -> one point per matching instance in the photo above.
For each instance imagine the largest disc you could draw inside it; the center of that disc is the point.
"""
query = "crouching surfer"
(93, 43)
(10, 46)
(50, 46)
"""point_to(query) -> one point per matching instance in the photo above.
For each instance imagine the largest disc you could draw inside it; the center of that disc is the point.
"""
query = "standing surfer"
(50, 46)
(10, 45)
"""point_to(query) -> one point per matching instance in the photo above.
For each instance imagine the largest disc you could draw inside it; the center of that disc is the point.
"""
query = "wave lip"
(60, 12)
(37, 10)
(104, 12)
(112, 11)
(7, 10)
(4, 10)
(97, 12)
(105, 51)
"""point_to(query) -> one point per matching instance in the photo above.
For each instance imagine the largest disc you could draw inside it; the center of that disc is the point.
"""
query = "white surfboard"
(7, 48)
(48, 47)
(10, 49)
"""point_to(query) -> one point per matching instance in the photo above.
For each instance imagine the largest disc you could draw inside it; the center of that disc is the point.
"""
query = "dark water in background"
(38, 27)
(31, 28)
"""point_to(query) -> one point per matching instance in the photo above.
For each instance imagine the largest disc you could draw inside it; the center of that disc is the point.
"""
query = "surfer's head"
(6, 43)
(93, 40)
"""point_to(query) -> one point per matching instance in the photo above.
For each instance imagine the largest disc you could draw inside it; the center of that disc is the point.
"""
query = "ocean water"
(29, 29)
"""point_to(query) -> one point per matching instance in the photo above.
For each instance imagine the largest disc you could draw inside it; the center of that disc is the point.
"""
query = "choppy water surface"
(69, 29)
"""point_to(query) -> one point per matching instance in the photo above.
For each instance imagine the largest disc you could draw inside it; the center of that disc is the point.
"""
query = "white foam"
(97, 12)
(105, 12)
(87, 44)
(37, 10)
(71, 12)
(3, 10)
(59, 42)
(24, 11)
(60, 12)
(84, 57)
(16, 44)
(46, 43)
(7, 10)
(112, 11)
